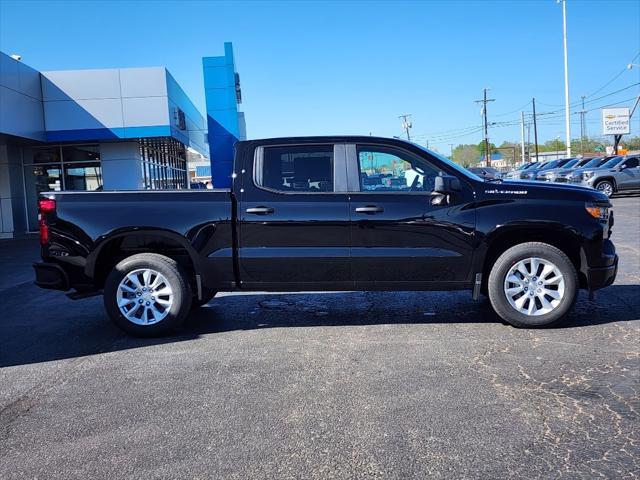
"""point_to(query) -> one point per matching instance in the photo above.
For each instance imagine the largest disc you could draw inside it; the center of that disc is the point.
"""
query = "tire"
(157, 310)
(507, 300)
(605, 186)
(207, 296)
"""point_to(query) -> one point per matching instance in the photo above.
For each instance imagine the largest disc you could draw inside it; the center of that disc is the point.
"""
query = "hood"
(524, 189)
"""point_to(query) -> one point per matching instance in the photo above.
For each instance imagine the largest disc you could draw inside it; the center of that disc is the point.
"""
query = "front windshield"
(449, 163)
(594, 162)
(613, 162)
(571, 163)
(550, 165)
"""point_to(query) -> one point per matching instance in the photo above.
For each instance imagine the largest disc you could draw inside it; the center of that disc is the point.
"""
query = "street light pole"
(566, 78)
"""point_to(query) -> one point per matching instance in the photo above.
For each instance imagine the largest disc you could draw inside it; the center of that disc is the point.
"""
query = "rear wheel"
(606, 187)
(147, 295)
(532, 284)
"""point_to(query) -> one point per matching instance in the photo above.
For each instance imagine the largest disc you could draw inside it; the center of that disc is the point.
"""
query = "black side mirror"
(446, 184)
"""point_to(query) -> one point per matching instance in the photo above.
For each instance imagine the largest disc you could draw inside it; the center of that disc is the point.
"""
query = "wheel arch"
(609, 179)
(118, 245)
(504, 238)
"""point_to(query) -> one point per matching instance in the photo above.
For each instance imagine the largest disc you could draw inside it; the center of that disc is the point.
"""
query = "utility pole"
(406, 124)
(451, 149)
(567, 121)
(582, 126)
(535, 127)
(487, 149)
(522, 136)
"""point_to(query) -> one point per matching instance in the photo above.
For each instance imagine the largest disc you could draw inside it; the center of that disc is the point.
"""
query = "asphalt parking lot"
(335, 385)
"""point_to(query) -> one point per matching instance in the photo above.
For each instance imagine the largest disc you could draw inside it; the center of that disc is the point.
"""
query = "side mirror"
(621, 167)
(447, 184)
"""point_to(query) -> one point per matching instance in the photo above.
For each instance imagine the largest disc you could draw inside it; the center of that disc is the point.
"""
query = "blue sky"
(312, 68)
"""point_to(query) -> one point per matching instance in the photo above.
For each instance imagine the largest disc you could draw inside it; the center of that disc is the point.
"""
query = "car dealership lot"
(369, 385)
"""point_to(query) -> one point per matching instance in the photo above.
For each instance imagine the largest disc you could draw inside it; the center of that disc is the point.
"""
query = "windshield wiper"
(497, 180)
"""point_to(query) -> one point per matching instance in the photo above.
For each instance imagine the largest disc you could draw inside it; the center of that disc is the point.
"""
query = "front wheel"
(606, 187)
(147, 295)
(532, 284)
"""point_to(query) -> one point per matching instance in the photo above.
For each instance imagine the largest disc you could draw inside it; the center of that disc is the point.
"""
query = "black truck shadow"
(51, 328)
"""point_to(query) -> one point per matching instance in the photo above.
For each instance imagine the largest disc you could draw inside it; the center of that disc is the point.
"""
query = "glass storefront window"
(83, 176)
(53, 169)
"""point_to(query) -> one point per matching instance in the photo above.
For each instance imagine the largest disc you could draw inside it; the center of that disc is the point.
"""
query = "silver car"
(616, 175)
(550, 174)
(591, 162)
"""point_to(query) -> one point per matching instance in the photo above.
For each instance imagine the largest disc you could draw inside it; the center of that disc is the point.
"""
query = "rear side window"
(300, 168)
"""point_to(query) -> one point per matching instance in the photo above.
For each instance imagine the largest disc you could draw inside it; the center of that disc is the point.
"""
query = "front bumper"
(603, 270)
(51, 276)
(600, 277)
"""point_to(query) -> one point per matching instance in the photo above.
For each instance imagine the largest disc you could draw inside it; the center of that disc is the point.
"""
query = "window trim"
(355, 159)
(338, 172)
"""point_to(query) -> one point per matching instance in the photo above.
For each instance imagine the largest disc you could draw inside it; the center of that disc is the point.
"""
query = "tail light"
(45, 206)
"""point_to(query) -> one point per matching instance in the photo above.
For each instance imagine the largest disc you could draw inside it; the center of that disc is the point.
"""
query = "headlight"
(588, 175)
(601, 213)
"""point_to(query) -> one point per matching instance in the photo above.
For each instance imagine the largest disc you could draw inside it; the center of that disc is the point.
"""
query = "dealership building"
(110, 129)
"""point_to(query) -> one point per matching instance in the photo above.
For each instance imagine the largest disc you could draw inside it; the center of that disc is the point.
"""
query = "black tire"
(177, 280)
(605, 186)
(207, 296)
(502, 266)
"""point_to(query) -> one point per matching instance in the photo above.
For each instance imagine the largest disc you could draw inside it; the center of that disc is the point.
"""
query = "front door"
(294, 220)
(401, 237)
(629, 177)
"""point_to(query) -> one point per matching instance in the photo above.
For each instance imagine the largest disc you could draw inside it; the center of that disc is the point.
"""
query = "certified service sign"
(615, 121)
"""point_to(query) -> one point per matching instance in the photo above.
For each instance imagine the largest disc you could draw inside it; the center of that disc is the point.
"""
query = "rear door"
(294, 218)
(400, 236)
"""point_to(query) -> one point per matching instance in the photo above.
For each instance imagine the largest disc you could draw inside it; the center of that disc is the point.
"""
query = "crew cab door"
(294, 218)
(629, 177)
(401, 237)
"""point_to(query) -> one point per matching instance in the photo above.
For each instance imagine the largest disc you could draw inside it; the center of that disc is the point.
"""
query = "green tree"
(466, 155)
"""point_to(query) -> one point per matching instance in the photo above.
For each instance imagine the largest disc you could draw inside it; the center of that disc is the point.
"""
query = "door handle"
(370, 209)
(260, 210)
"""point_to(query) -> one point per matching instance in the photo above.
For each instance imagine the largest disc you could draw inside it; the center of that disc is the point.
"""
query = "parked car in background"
(564, 172)
(549, 174)
(487, 173)
(531, 172)
(550, 167)
(619, 174)
(515, 174)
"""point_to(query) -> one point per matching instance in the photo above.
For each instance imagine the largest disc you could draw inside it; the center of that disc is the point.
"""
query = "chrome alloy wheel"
(606, 188)
(534, 286)
(144, 296)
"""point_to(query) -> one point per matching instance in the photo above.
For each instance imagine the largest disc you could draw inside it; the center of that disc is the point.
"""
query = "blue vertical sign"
(224, 122)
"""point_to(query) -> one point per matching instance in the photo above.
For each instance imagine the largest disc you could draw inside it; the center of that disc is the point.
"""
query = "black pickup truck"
(329, 213)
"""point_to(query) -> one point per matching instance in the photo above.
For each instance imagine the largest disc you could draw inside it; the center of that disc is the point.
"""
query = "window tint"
(385, 169)
(304, 168)
(631, 163)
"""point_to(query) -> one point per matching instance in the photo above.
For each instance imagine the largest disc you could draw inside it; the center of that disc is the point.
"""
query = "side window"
(632, 163)
(384, 169)
(297, 168)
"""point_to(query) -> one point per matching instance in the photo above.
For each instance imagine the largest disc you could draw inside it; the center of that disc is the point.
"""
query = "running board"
(476, 286)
